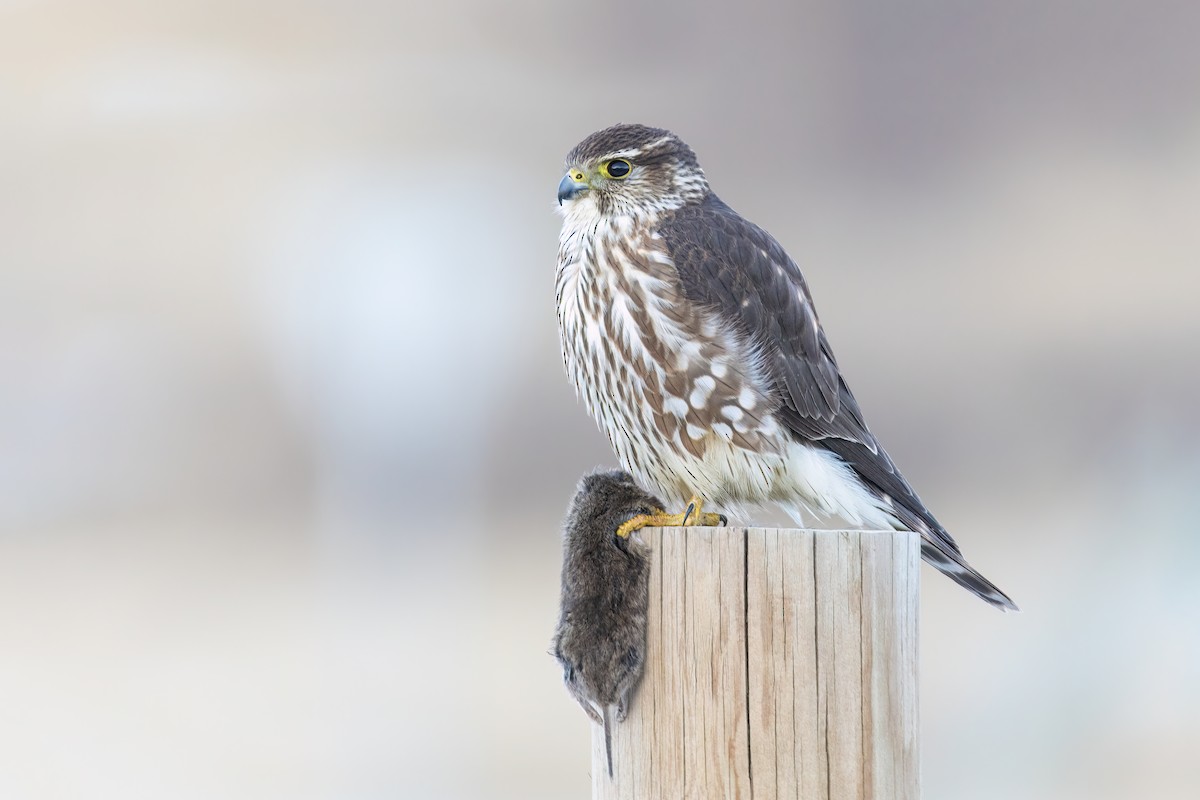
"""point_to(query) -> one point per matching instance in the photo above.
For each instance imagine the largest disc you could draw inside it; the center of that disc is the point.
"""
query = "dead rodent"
(601, 635)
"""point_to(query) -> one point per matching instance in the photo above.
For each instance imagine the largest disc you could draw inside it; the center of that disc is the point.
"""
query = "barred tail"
(953, 566)
(940, 549)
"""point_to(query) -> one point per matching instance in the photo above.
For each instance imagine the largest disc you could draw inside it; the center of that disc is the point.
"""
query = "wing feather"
(739, 271)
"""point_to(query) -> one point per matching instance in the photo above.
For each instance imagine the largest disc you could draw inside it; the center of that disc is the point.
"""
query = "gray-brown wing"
(738, 270)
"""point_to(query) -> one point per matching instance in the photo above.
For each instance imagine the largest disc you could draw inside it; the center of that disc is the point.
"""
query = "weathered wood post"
(781, 664)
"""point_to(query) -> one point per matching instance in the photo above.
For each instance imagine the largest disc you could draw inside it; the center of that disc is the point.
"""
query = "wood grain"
(781, 664)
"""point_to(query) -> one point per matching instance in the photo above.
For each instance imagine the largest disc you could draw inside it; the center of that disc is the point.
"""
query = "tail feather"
(937, 545)
(953, 566)
(941, 551)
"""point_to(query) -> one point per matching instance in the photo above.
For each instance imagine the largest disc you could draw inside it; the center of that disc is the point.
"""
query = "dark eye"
(617, 168)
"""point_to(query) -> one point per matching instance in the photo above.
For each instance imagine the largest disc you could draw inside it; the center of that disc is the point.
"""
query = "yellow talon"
(693, 515)
(640, 521)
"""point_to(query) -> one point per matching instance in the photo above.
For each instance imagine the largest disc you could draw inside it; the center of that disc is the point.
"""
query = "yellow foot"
(693, 515)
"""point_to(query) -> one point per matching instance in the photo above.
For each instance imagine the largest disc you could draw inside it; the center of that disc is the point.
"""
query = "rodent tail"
(607, 712)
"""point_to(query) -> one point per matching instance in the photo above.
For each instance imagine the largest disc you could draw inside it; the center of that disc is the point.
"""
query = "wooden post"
(781, 664)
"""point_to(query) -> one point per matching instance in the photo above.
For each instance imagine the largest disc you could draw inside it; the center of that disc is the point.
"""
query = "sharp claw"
(691, 507)
(724, 520)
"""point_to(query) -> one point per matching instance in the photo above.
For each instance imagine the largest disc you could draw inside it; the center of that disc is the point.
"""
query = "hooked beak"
(571, 185)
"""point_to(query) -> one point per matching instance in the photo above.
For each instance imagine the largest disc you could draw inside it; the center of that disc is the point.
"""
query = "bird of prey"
(692, 338)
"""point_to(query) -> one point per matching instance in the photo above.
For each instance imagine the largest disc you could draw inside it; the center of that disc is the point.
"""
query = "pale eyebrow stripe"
(637, 151)
(656, 143)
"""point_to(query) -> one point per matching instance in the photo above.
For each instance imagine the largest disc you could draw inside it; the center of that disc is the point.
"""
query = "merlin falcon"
(692, 338)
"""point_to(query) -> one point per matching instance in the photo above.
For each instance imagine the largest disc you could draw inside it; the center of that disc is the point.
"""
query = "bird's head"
(631, 169)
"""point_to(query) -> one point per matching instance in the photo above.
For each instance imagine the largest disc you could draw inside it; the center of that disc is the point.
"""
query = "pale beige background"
(284, 438)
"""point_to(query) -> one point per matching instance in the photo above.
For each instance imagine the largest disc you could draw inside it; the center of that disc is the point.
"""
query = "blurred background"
(285, 440)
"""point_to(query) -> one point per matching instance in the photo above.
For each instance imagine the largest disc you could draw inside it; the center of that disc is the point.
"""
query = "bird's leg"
(693, 515)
